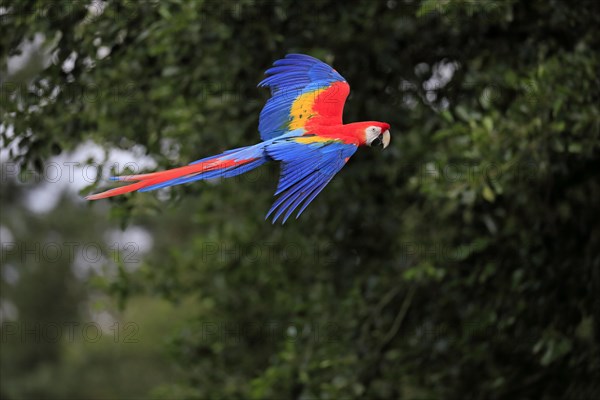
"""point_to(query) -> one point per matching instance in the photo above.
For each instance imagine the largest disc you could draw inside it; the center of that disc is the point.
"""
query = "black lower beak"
(377, 142)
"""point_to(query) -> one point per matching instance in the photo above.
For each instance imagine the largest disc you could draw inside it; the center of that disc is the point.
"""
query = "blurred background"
(462, 262)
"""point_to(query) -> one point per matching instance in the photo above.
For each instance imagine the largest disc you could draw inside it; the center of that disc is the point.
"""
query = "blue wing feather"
(290, 197)
(306, 170)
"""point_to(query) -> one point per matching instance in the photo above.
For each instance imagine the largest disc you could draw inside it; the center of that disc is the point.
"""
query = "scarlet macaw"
(300, 126)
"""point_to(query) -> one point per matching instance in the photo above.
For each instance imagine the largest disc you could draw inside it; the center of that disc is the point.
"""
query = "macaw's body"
(301, 127)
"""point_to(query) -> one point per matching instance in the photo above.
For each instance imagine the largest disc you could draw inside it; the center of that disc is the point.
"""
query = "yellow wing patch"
(312, 139)
(302, 108)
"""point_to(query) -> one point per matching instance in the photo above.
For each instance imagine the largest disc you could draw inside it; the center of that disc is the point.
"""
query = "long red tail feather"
(155, 178)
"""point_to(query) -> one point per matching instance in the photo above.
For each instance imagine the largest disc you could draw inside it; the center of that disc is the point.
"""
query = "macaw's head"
(377, 134)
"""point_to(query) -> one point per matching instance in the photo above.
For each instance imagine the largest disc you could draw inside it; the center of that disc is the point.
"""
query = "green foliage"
(55, 346)
(460, 263)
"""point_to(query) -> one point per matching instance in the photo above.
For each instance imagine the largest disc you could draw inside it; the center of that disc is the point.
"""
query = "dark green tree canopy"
(462, 262)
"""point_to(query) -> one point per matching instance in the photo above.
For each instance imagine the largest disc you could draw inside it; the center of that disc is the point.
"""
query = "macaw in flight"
(300, 126)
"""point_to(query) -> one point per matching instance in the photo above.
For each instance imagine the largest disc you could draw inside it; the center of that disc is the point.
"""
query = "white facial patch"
(372, 132)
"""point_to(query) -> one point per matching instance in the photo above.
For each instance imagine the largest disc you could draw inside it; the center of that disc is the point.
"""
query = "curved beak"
(385, 139)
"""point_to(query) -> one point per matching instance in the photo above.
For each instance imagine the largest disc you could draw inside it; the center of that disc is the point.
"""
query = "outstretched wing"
(308, 164)
(304, 91)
